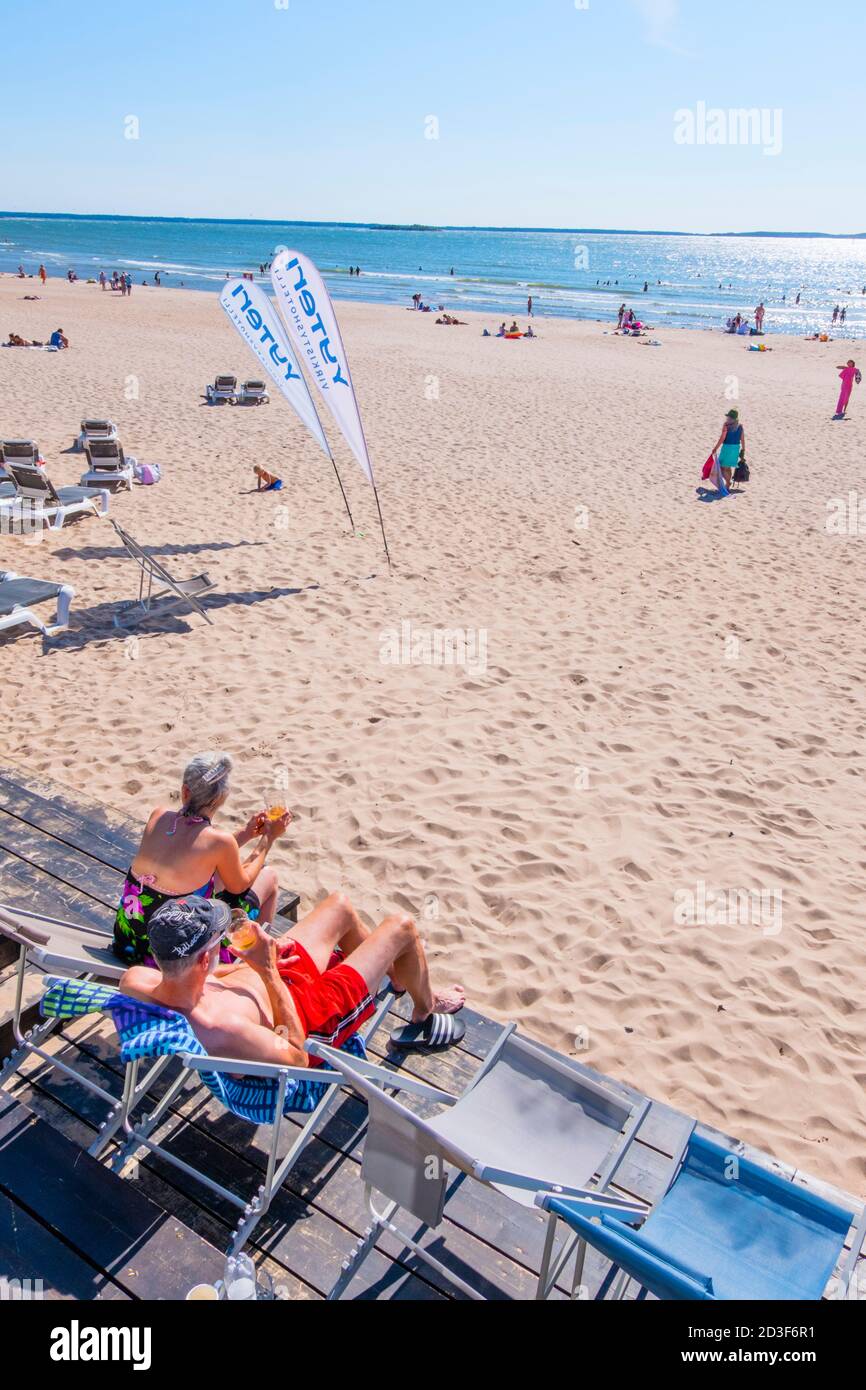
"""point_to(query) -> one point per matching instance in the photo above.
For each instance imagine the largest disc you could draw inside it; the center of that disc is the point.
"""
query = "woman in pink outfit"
(847, 375)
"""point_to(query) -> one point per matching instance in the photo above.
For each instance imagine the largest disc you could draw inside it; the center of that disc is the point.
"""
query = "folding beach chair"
(225, 388)
(95, 431)
(158, 591)
(254, 393)
(528, 1121)
(19, 596)
(725, 1229)
(37, 503)
(107, 465)
(260, 1093)
(49, 944)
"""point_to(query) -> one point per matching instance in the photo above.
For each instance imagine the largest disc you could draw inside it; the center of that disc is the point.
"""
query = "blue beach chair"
(260, 1093)
(725, 1229)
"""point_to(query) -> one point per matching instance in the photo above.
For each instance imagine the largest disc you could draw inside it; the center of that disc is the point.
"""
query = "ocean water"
(567, 273)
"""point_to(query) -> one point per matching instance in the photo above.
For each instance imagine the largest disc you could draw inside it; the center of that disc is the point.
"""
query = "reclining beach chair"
(37, 503)
(17, 451)
(49, 944)
(261, 1093)
(158, 591)
(19, 596)
(254, 393)
(529, 1121)
(96, 431)
(725, 1229)
(107, 465)
(225, 388)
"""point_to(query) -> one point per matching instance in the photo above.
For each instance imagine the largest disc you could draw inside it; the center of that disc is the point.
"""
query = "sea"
(691, 281)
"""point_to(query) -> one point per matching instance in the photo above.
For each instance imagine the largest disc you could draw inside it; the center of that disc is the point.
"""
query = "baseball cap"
(184, 926)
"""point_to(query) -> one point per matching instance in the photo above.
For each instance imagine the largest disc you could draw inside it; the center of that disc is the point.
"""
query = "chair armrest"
(268, 1070)
(382, 1075)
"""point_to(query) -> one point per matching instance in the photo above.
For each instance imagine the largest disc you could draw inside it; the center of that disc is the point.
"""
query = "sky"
(545, 113)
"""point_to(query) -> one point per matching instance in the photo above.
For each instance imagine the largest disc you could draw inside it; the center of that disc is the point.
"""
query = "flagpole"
(342, 489)
(382, 524)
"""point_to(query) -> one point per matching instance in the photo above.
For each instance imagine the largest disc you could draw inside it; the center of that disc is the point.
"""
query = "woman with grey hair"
(182, 855)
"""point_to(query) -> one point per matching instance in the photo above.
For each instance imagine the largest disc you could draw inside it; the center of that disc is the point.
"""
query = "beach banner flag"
(311, 322)
(262, 329)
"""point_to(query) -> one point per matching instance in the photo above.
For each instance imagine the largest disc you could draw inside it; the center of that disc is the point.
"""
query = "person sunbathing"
(183, 855)
(320, 982)
(15, 340)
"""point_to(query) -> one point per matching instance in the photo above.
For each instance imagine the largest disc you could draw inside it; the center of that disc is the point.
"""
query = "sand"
(664, 693)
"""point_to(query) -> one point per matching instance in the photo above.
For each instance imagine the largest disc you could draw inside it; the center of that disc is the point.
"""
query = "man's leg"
(332, 922)
(395, 949)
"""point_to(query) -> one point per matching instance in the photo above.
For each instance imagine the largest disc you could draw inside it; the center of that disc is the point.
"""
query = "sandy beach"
(664, 696)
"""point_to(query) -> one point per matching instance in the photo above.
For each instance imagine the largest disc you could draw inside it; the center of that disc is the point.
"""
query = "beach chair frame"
(139, 1136)
(616, 1283)
(95, 431)
(107, 465)
(36, 498)
(22, 613)
(410, 1139)
(158, 591)
(253, 393)
(224, 388)
(50, 944)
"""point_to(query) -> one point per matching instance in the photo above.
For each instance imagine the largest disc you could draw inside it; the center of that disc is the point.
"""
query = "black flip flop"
(437, 1031)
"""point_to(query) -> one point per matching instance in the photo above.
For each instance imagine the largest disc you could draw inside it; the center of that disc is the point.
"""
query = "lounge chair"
(17, 451)
(253, 393)
(19, 596)
(107, 465)
(225, 388)
(37, 501)
(257, 1092)
(96, 431)
(158, 591)
(725, 1229)
(528, 1121)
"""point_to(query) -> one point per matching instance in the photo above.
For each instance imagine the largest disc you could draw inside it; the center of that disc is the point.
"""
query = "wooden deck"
(89, 1234)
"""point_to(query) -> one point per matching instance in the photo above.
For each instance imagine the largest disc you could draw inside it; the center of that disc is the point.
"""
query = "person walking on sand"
(43, 275)
(849, 375)
(102, 280)
(620, 316)
(529, 306)
(731, 443)
(759, 317)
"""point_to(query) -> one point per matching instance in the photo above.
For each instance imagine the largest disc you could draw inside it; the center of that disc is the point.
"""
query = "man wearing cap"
(319, 982)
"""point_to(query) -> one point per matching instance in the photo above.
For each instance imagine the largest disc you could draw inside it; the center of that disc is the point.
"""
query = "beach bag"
(708, 468)
(147, 473)
(742, 473)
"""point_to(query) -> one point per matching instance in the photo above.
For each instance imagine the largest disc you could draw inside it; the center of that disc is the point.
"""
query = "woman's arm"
(722, 437)
(238, 876)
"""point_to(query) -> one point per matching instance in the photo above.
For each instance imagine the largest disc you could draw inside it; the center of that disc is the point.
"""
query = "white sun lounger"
(37, 503)
(158, 591)
(93, 431)
(17, 451)
(253, 393)
(225, 388)
(107, 465)
(19, 596)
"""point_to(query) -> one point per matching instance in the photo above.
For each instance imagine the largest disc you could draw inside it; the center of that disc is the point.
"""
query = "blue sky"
(549, 114)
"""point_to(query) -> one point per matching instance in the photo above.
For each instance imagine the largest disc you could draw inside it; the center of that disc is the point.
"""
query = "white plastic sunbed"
(19, 595)
(253, 393)
(37, 503)
(107, 465)
(225, 388)
(92, 430)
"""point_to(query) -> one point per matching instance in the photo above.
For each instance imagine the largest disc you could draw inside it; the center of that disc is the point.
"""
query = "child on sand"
(848, 375)
(267, 482)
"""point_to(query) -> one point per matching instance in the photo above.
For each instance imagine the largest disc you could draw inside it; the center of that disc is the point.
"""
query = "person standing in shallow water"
(731, 444)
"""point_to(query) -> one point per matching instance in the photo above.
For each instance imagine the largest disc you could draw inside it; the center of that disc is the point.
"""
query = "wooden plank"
(146, 1252)
(28, 1251)
(97, 831)
(55, 860)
